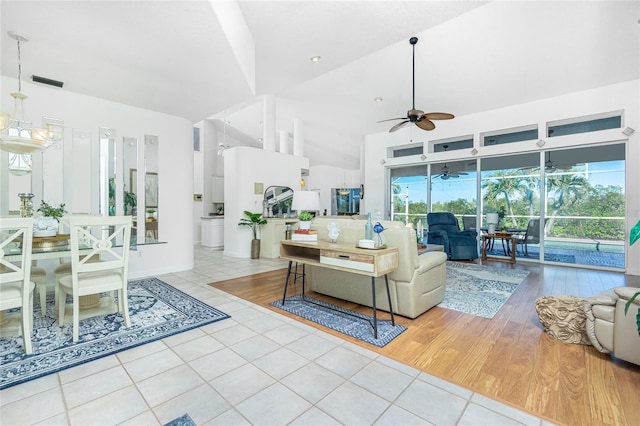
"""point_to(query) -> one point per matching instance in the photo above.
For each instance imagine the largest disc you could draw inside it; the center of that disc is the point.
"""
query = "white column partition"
(298, 137)
(284, 142)
(269, 123)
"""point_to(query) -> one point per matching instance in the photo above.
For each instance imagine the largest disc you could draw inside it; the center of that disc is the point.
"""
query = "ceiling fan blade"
(425, 124)
(391, 119)
(399, 125)
(439, 116)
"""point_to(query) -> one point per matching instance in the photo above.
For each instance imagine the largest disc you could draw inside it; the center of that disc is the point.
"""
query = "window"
(517, 136)
(407, 151)
(585, 126)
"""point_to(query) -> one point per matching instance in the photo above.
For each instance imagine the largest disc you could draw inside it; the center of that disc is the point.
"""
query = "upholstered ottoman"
(563, 317)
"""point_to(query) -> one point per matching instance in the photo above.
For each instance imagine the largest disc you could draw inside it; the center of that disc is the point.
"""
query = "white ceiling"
(174, 57)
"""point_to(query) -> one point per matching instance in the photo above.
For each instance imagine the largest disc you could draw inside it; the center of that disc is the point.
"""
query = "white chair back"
(16, 237)
(100, 243)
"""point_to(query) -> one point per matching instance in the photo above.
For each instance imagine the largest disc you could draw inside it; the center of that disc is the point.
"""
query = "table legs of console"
(296, 275)
(375, 313)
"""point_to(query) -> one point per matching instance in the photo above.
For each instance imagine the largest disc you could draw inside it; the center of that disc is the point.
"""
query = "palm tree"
(501, 185)
(529, 186)
(563, 190)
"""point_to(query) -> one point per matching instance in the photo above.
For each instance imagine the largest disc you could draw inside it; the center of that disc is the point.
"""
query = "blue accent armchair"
(444, 230)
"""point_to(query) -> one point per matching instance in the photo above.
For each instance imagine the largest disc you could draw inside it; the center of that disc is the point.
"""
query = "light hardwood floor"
(508, 357)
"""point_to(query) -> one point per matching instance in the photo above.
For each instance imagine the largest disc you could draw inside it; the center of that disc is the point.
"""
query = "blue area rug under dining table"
(157, 310)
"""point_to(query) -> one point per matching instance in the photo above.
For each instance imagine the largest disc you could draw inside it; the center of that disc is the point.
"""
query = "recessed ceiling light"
(377, 99)
(316, 58)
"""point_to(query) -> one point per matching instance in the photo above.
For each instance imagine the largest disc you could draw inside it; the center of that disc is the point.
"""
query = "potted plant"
(253, 220)
(305, 220)
(47, 225)
(151, 215)
(129, 203)
(634, 235)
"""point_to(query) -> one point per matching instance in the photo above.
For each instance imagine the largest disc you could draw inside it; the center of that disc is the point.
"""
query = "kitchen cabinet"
(212, 232)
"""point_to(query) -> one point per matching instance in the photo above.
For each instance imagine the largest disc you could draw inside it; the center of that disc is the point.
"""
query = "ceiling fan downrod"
(414, 41)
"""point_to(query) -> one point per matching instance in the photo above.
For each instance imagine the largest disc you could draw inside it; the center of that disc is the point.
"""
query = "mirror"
(51, 162)
(129, 197)
(151, 187)
(108, 173)
(277, 201)
(77, 183)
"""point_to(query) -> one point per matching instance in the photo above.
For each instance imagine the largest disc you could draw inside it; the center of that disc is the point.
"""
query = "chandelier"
(17, 135)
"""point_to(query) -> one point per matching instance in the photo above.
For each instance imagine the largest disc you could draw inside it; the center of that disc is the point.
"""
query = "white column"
(284, 142)
(269, 123)
(298, 137)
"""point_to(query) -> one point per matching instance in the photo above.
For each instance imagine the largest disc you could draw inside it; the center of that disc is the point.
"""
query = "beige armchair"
(608, 327)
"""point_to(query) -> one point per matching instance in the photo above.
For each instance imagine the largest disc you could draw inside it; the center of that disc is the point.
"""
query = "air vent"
(44, 80)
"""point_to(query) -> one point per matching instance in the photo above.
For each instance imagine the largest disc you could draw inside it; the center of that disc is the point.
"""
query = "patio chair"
(469, 222)
(531, 236)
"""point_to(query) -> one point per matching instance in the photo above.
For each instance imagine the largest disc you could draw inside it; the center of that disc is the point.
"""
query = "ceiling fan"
(445, 172)
(550, 166)
(422, 119)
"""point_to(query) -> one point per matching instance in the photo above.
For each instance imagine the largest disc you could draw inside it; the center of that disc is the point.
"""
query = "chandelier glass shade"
(17, 135)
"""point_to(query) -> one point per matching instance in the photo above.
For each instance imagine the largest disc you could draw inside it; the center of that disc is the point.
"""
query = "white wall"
(620, 97)
(175, 136)
(244, 166)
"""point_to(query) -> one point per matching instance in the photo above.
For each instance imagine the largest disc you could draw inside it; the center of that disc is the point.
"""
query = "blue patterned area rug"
(479, 290)
(342, 320)
(157, 310)
(183, 420)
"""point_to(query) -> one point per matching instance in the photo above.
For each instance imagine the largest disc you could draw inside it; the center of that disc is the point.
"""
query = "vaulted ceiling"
(182, 58)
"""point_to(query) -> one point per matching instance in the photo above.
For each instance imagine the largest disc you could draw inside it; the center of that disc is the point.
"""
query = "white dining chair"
(16, 288)
(99, 264)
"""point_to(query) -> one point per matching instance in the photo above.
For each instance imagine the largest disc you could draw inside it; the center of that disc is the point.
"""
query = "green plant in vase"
(48, 223)
(634, 235)
(253, 220)
(305, 216)
(48, 210)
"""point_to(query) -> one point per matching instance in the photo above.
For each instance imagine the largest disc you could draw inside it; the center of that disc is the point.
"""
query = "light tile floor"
(258, 367)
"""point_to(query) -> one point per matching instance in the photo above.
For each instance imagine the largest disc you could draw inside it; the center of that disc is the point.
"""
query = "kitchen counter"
(218, 216)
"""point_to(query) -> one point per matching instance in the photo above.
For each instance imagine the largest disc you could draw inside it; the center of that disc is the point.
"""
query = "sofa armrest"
(626, 293)
(430, 260)
(600, 313)
(469, 233)
(440, 238)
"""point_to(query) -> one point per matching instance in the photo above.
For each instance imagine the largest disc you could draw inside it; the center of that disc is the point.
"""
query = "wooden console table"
(373, 263)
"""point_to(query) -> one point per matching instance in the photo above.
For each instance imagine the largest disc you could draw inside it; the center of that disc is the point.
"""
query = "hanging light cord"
(19, 68)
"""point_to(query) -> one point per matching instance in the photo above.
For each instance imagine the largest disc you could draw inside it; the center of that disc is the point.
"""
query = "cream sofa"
(415, 287)
(608, 327)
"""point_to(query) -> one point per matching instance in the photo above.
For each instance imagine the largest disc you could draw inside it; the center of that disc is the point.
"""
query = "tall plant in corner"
(253, 220)
(634, 235)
